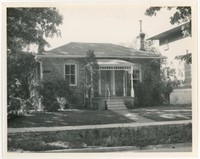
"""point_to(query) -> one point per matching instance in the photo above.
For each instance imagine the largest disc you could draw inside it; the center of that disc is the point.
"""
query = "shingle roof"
(101, 50)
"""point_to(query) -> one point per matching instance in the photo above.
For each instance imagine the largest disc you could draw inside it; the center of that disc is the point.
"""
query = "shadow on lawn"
(72, 118)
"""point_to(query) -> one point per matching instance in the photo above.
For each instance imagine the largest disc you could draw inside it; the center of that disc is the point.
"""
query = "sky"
(108, 23)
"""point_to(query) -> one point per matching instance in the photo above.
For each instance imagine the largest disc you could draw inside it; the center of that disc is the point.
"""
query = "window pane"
(72, 79)
(73, 69)
(136, 74)
(67, 78)
(67, 68)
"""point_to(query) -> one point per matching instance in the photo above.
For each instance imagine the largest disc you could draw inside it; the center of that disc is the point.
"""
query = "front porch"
(117, 77)
(116, 81)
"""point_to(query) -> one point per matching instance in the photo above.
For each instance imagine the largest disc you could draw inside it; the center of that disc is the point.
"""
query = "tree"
(92, 75)
(187, 58)
(149, 47)
(26, 26)
(181, 15)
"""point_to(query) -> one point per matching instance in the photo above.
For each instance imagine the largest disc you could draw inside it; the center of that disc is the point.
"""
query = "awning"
(109, 64)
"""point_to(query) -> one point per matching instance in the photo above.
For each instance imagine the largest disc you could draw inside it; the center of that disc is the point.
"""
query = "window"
(70, 74)
(166, 45)
(136, 76)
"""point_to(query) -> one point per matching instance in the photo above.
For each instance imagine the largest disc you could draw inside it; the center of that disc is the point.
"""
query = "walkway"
(64, 128)
(133, 116)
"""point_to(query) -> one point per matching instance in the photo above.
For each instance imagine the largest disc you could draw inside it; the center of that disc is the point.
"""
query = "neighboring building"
(119, 67)
(174, 43)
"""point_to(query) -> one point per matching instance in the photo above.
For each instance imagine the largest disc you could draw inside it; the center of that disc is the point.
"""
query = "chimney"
(142, 36)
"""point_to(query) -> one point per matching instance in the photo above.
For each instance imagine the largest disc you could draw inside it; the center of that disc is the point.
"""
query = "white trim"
(126, 79)
(114, 67)
(140, 69)
(79, 56)
(41, 70)
(124, 89)
(132, 89)
(75, 72)
(113, 81)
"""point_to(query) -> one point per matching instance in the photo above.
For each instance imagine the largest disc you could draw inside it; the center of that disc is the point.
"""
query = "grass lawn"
(165, 113)
(111, 137)
(69, 118)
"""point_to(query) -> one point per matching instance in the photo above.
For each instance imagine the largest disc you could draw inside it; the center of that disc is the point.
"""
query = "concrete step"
(116, 99)
(111, 103)
(119, 106)
(113, 106)
(115, 103)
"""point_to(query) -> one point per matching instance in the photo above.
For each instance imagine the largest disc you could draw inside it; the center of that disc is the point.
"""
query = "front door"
(119, 82)
(105, 82)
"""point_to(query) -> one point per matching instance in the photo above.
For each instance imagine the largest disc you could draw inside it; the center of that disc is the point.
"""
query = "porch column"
(124, 89)
(113, 81)
(126, 78)
(99, 82)
(132, 90)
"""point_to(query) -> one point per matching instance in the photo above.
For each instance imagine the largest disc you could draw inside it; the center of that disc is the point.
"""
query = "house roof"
(101, 50)
(168, 33)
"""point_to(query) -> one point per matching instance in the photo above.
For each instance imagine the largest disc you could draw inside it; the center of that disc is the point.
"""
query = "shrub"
(143, 95)
(15, 107)
(140, 136)
(57, 94)
(49, 100)
(129, 103)
(153, 93)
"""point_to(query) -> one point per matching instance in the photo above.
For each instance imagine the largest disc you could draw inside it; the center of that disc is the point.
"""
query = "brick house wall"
(53, 69)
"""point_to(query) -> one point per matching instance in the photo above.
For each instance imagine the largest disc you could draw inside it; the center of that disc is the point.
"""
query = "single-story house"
(119, 69)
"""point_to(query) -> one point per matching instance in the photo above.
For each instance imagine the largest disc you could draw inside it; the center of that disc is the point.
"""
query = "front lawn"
(111, 137)
(165, 113)
(70, 118)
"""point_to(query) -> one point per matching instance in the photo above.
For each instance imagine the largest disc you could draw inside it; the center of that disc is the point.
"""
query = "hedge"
(141, 136)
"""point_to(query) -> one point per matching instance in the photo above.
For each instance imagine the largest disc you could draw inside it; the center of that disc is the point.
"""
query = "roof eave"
(116, 57)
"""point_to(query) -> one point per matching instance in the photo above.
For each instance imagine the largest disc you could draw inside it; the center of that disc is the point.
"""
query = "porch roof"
(110, 62)
(114, 64)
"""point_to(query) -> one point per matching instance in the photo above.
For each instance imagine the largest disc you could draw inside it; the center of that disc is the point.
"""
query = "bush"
(129, 103)
(153, 93)
(49, 100)
(57, 94)
(15, 107)
(143, 95)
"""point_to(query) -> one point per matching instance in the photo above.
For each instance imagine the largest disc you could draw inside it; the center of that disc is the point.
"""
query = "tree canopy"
(30, 26)
(181, 15)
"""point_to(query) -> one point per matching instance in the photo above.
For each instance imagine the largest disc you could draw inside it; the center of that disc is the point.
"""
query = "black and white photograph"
(100, 78)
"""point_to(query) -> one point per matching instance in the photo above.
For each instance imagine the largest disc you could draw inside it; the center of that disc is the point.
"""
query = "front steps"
(116, 103)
